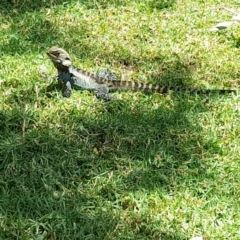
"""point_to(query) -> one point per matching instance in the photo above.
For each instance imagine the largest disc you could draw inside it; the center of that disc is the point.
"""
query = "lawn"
(143, 166)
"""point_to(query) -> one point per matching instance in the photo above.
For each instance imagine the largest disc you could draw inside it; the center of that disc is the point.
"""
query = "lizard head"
(60, 58)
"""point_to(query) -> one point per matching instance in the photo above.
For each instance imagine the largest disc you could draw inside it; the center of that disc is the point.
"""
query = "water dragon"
(73, 77)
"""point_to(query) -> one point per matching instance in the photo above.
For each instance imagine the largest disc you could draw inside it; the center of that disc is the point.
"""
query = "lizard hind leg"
(107, 74)
(102, 92)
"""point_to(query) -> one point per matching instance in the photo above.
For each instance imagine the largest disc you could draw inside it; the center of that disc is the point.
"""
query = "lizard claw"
(66, 93)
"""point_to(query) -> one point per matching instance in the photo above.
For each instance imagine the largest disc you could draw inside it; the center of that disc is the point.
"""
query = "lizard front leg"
(68, 90)
(65, 79)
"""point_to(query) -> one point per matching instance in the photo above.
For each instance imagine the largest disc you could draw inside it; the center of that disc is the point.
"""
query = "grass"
(145, 166)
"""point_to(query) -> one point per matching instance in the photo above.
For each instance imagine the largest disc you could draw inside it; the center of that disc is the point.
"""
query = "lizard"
(73, 77)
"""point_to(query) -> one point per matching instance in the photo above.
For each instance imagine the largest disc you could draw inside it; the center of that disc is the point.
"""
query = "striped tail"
(137, 86)
(130, 85)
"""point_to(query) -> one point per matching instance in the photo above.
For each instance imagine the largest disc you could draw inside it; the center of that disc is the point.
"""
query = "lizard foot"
(102, 93)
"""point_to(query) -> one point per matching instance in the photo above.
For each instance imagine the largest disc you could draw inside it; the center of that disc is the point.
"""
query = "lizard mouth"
(52, 56)
(55, 58)
(60, 62)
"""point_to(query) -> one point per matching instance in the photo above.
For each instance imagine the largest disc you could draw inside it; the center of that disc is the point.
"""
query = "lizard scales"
(77, 78)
